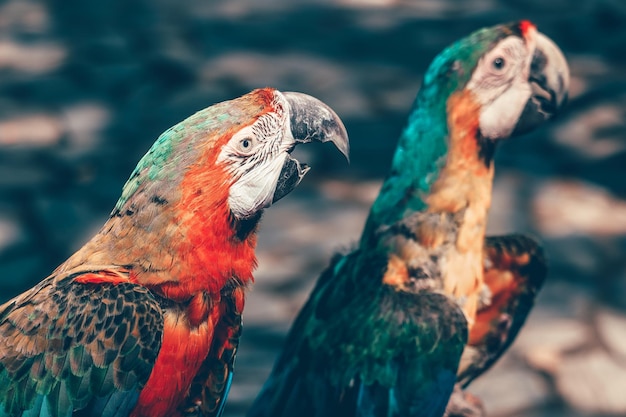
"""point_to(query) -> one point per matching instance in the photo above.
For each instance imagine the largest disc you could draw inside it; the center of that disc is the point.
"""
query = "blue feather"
(220, 408)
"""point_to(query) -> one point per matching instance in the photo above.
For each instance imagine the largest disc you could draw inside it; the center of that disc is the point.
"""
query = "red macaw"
(144, 320)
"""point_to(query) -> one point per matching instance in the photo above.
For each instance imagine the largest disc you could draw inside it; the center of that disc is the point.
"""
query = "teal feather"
(380, 335)
(176, 148)
(423, 145)
(359, 348)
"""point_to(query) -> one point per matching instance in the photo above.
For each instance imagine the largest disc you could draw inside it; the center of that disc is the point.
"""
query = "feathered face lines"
(498, 69)
(254, 157)
(257, 159)
(235, 154)
(253, 144)
(517, 75)
(519, 82)
(500, 85)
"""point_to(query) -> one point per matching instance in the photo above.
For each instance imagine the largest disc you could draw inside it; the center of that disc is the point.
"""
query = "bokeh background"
(86, 86)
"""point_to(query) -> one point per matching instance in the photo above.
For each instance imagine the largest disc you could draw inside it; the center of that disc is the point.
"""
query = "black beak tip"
(550, 70)
(549, 79)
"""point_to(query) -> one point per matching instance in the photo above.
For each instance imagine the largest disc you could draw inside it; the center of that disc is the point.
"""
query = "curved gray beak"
(311, 120)
(549, 80)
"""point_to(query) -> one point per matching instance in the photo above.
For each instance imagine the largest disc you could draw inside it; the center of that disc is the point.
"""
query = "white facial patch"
(254, 157)
(500, 84)
(255, 190)
(499, 118)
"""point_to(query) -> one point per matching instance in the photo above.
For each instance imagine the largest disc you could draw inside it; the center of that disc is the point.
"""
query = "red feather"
(525, 26)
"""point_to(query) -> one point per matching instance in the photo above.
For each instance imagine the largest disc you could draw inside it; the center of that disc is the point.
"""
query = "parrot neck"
(452, 174)
(176, 238)
(172, 227)
(440, 165)
(419, 157)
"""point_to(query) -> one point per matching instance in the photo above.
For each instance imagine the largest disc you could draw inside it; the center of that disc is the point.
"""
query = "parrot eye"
(498, 63)
(245, 145)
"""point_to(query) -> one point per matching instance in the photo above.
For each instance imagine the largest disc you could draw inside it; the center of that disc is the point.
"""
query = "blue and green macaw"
(387, 325)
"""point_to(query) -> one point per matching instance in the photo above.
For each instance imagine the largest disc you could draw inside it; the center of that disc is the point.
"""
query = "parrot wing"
(362, 348)
(515, 269)
(86, 341)
(209, 390)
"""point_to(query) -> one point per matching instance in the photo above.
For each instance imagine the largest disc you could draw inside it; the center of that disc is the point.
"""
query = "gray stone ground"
(86, 86)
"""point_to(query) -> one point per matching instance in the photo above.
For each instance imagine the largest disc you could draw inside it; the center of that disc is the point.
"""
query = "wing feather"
(210, 388)
(69, 345)
(366, 351)
(515, 270)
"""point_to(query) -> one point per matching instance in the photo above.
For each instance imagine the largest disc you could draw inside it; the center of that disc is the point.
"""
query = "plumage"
(145, 319)
(514, 271)
(385, 327)
(365, 355)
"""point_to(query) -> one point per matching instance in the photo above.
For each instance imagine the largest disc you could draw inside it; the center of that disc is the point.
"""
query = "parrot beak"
(310, 120)
(549, 80)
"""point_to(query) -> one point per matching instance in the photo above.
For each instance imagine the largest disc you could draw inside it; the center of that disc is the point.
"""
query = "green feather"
(178, 147)
(423, 146)
(352, 328)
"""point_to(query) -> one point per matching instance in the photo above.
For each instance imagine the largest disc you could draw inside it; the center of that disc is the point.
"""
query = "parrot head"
(495, 83)
(257, 156)
(191, 207)
(517, 76)
(236, 152)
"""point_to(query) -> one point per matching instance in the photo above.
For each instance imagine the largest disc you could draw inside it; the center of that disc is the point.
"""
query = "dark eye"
(246, 145)
(498, 63)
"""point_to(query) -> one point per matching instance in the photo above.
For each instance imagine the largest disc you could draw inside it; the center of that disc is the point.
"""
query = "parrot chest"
(186, 344)
(426, 252)
(463, 278)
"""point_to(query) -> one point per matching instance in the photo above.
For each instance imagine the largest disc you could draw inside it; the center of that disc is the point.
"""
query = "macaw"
(384, 330)
(145, 318)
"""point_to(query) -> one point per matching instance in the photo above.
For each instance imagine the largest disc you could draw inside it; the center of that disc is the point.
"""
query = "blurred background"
(86, 86)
